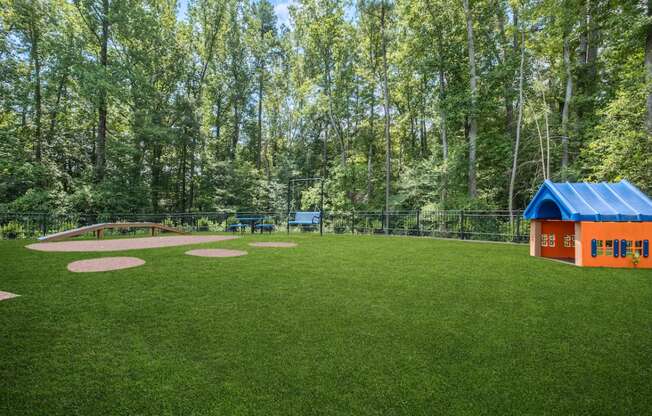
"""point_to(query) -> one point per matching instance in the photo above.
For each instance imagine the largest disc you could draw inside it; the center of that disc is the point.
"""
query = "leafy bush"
(376, 224)
(203, 222)
(67, 225)
(12, 231)
(39, 200)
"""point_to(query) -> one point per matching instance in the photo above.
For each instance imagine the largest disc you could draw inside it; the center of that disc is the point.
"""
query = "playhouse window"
(609, 249)
(569, 240)
(544, 240)
(629, 248)
(638, 247)
(551, 240)
(600, 247)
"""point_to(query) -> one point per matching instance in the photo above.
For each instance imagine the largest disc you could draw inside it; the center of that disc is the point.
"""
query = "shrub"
(67, 225)
(203, 222)
(12, 231)
(376, 224)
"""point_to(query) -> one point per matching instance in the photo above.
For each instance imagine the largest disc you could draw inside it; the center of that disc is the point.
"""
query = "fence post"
(518, 229)
(44, 223)
(352, 222)
(462, 224)
(419, 222)
(386, 222)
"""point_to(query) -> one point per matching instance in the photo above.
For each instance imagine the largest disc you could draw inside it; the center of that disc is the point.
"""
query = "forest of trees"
(134, 106)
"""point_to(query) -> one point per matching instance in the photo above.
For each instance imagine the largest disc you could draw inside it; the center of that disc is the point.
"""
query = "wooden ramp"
(98, 229)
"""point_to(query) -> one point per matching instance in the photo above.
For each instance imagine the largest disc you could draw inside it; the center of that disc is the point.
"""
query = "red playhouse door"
(557, 239)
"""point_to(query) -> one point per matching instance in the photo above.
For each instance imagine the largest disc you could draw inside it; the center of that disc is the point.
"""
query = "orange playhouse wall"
(587, 231)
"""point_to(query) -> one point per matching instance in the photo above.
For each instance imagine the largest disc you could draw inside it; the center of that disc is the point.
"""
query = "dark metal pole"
(462, 225)
(287, 219)
(321, 208)
(518, 226)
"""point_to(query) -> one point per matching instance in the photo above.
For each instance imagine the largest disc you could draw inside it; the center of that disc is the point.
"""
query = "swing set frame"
(292, 182)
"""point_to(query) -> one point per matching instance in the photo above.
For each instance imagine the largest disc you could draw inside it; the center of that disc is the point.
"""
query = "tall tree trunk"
(388, 141)
(442, 115)
(218, 127)
(335, 125)
(324, 156)
(182, 176)
(423, 132)
(442, 87)
(236, 131)
(517, 143)
(545, 118)
(61, 90)
(259, 140)
(566, 109)
(543, 156)
(100, 145)
(370, 153)
(410, 112)
(442, 133)
(191, 178)
(509, 108)
(36, 58)
(473, 124)
(157, 151)
(648, 67)
(372, 117)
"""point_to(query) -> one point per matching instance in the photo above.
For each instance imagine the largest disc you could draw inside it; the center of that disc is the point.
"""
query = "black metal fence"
(458, 224)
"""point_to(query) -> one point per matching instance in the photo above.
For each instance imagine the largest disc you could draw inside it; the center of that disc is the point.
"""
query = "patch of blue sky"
(281, 7)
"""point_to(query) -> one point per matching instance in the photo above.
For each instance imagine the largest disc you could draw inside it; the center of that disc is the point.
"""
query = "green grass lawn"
(344, 325)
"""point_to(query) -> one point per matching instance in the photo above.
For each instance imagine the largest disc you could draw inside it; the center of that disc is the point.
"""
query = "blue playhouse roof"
(583, 201)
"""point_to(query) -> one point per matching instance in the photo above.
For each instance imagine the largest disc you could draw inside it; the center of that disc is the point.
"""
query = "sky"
(280, 7)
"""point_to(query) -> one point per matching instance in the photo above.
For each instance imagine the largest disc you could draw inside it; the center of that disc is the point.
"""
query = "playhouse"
(591, 224)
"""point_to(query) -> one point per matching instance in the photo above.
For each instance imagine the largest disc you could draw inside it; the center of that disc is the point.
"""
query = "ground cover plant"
(337, 325)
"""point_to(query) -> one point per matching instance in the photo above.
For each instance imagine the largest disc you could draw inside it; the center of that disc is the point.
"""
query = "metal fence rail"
(458, 224)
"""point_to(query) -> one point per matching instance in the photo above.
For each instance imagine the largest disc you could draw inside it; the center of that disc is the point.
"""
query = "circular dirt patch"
(7, 295)
(120, 244)
(104, 264)
(273, 244)
(216, 252)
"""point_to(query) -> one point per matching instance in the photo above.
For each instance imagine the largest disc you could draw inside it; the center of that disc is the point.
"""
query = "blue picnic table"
(253, 222)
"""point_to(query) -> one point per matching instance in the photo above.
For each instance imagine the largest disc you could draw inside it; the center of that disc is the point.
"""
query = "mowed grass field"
(340, 325)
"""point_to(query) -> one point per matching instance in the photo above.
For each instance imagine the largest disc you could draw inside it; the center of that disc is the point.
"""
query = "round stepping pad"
(104, 264)
(273, 244)
(7, 295)
(216, 252)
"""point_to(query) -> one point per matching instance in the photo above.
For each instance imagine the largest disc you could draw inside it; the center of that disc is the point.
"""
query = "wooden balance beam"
(98, 230)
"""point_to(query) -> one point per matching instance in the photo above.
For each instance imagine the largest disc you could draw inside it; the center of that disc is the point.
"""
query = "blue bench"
(306, 219)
